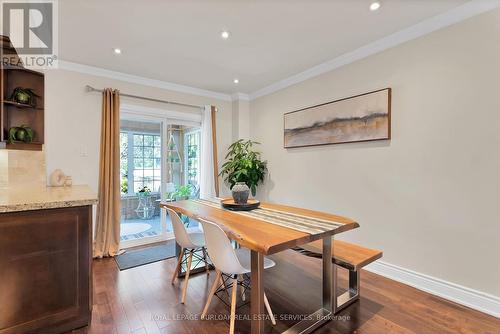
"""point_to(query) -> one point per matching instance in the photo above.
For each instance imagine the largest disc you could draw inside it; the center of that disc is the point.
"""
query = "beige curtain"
(107, 237)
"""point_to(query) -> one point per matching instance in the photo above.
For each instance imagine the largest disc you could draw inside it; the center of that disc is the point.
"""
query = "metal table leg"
(325, 313)
(257, 293)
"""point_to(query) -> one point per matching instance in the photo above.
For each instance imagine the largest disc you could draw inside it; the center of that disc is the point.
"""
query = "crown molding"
(458, 14)
(474, 299)
(101, 72)
(240, 96)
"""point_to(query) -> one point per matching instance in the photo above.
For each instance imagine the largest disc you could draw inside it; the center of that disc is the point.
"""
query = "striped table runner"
(294, 221)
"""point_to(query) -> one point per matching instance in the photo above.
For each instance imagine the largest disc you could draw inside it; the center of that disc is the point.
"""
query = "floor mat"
(139, 257)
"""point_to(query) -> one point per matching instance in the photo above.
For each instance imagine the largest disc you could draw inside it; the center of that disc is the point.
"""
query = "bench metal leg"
(324, 314)
(351, 295)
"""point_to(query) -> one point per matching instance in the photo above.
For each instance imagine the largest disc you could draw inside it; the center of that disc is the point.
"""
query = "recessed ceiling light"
(224, 34)
(117, 51)
(374, 6)
(236, 81)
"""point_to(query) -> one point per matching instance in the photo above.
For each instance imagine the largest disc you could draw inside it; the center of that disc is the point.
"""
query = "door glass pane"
(183, 145)
(141, 175)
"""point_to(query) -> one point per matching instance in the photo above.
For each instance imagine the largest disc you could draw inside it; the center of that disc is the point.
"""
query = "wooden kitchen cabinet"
(45, 270)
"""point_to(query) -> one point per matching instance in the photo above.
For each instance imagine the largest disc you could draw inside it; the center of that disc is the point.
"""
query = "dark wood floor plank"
(142, 300)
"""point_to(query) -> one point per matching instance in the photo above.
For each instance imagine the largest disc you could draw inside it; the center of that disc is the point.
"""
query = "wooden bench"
(346, 255)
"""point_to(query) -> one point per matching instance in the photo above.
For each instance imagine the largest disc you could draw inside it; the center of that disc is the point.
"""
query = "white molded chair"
(232, 262)
(189, 242)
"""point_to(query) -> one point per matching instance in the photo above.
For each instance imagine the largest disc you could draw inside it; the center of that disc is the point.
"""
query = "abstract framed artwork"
(364, 117)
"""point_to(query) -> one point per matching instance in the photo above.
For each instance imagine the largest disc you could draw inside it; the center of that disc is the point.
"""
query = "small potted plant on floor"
(243, 170)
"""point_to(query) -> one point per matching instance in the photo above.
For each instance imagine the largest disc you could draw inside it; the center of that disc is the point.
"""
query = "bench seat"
(345, 254)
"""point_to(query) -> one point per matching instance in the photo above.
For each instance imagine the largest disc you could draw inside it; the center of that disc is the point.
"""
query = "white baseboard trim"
(474, 299)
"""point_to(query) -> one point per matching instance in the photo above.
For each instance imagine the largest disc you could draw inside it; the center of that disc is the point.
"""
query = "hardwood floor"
(142, 300)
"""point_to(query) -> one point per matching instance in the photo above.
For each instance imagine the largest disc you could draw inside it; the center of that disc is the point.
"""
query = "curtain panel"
(107, 239)
(208, 174)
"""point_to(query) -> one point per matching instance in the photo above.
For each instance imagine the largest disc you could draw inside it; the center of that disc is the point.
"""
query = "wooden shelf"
(19, 105)
(13, 114)
(19, 145)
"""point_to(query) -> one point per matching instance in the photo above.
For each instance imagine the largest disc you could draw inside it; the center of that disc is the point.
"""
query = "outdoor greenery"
(141, 154)
(243, 164)
(124, 185)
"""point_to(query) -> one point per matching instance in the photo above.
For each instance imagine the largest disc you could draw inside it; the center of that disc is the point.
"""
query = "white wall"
(429, 198)
(73, 117)
(241, 119)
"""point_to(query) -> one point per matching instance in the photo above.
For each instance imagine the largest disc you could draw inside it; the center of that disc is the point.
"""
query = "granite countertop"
(14, 198)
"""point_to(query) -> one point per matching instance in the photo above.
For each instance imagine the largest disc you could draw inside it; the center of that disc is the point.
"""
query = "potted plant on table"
(243, 170)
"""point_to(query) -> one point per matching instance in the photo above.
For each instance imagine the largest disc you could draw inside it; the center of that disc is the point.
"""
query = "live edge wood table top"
(259, 235)
(270, 229)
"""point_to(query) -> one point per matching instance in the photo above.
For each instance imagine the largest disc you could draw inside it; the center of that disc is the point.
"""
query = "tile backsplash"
(22, 168)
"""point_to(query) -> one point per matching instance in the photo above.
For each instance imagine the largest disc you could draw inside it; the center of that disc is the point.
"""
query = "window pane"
(138, 163)
(157, 152)
(148, 140)
(148, 173)
(149, 184)
(156, 186)
(148, 152)
(123, 142)
(157, 141)
(138, 152)
(148, 163)
(192, 157)
(138, 140)
(157, 163)
(137, 186)
(139, 179)
(123, 167)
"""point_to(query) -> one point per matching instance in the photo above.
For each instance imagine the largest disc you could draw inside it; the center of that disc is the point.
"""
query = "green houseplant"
(21, 133)
(243, 164)
(182, 192)
(24, 96)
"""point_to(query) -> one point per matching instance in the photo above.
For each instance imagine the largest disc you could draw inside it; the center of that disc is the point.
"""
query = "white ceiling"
(179, 41)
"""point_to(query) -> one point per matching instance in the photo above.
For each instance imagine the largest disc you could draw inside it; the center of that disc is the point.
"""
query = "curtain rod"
(92, 89)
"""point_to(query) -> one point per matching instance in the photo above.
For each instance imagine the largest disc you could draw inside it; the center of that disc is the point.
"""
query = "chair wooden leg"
(205, 258)
(186, 278)
(268, 308)
(242, 288)
(233, 306)
(211, 293)
(178, 266)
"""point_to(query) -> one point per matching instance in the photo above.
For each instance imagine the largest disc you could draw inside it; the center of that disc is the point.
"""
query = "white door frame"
(165, 117)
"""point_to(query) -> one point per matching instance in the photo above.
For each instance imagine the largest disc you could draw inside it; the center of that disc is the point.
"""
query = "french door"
(156, 159)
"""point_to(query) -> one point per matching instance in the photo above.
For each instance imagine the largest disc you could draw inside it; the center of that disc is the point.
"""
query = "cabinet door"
(45, 270)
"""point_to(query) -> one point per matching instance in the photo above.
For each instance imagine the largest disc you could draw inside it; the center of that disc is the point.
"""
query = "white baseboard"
(474, 299)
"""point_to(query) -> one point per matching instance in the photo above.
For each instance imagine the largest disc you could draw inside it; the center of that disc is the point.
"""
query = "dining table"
(269, 229)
